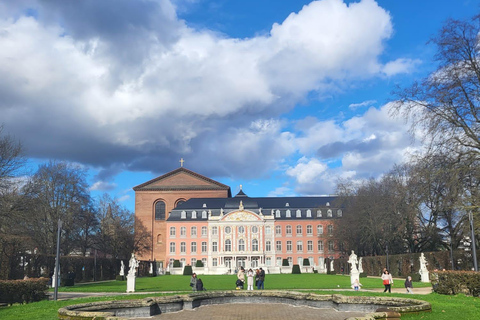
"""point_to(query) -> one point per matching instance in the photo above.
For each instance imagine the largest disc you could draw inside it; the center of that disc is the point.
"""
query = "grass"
(443, 307)
(227, 282)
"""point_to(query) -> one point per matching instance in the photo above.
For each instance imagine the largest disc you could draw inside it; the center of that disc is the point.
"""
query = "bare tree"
(446, 104)
(11, 158)
(58, 190)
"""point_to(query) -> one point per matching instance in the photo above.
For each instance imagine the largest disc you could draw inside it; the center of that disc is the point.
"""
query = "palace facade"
(192, 217)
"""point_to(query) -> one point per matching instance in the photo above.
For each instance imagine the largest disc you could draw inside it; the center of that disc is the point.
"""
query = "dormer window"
(319, 213)
(309, 213)
(194, 214)
(329, 213)
(299, 213)
(204, 205)
(339, 213)
(288, 214)
(328, 204)
(204, 214)
(277, 214)
(183, 215)
(287, 204)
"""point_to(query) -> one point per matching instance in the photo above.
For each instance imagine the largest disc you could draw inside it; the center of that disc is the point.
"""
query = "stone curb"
(116, 310)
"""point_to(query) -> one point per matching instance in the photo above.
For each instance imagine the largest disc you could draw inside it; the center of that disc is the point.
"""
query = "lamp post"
(474, 250)
(57, 261)
(451, 251)
(386, 251)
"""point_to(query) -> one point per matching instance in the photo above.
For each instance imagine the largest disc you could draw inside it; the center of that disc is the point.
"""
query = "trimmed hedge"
(23, 291)
(199, 264)
(306, 262)
(285, 263)
(187, 270)
(296, 269)
(453, 282)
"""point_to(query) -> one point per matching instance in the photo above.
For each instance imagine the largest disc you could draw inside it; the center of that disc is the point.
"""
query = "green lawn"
(227, 282)
(444, 307)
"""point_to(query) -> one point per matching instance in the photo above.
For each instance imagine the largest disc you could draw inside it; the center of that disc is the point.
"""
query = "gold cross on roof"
(181, 162)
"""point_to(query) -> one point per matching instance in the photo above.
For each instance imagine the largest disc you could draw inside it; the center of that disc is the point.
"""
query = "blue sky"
(283, 97)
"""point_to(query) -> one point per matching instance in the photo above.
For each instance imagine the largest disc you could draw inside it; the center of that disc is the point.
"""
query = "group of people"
(196, 283)
(387, 282)
(258, 274)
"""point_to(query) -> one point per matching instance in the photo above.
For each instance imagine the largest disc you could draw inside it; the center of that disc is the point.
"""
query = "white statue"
(353, 261)
(360, 265)
(423, 269)
(423, 262)
(122, 268)
(150, 271)
(133, 264)
(331, 265)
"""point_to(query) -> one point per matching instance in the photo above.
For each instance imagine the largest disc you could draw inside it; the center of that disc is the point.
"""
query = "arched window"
(288, 230)
(228, 245)
(179, 202)
(254, 245)
(159, 238)
(299, 230)
(160, 210)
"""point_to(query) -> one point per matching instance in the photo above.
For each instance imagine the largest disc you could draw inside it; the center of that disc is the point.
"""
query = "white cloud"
(400, 65)
(140, 88)
(367, 103)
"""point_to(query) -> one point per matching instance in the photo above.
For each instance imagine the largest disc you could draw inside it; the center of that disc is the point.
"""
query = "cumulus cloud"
(122, 84)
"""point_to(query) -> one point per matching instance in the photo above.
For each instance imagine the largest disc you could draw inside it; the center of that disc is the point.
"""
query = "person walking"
(387, 281)
(193, 282)
(250, 275)
(409, 285)
(261, 279)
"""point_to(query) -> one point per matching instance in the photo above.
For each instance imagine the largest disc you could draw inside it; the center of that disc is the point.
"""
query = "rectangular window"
(268, 230)
(183, 232)
(288, 230)
(204, 246)
(299, 246)
(278, 263)
(268, 246)
(320, 245)
(331, 246)
(269, 261)
(330, 229)
(172, 247)
(279, 246)
(214, 231)
(194, 247)
(214, 262)
(278, 230)
(172, 232)
(204, 231)
(299, 230)
(214, 246)
(183, 247)
(319, 229)
(193, 261)
(310, 246)
(309, 230)
(289, 246)
(193, 231)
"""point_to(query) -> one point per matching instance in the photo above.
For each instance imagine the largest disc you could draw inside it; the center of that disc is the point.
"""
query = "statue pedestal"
(424, 276)
(131, 283)
(354, 275)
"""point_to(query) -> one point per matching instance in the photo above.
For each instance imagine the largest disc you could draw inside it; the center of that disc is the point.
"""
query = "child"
(356, 285)
(408, 284)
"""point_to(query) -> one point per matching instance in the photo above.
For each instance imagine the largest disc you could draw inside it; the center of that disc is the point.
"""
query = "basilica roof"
(280, 207)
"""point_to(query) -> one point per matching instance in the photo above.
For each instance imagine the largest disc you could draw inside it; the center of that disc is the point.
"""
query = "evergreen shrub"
(187, 271)
(23, 291)
(296, 269)
(285, 263)
(199, 264)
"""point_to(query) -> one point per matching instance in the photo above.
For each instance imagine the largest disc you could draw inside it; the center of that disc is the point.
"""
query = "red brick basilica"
(192, 217)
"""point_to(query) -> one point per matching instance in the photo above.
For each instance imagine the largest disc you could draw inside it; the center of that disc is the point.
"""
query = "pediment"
(241, 216)
(181, 179)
